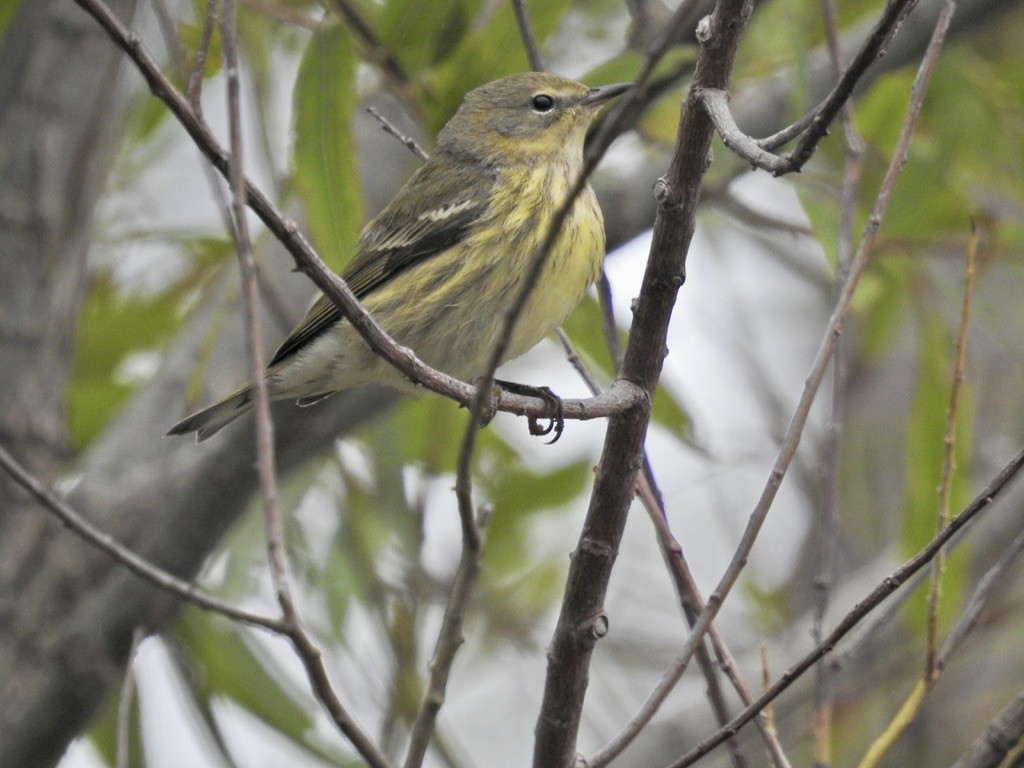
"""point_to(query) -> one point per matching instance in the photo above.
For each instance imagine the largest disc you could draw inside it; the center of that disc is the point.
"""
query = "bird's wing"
(423, 220)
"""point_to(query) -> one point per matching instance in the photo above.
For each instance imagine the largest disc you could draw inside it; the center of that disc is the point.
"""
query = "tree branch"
(309, 654)
(407, 141)
(814, 125)
(799, 419)
(121, 554)
(872, 600)
(997, 741)
(528, 37)
(582, 620)
(948, 457)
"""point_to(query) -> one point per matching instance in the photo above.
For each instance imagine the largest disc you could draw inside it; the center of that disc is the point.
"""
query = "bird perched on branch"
(438, 266)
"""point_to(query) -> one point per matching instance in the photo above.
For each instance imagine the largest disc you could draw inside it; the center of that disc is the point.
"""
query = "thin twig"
(873, 48)
(309, 653)
(528, 38)
(194, 88)
(449, 640)
(796, 426)
(630, 106)
(686, 587)
(647, 20)
(986, 586)
(998, 740)
(621, 396)
(265, 461)
(582, 620)
(693, 605)
(716, 103)
(813, 127)
(267, 290)
(863, 607)
(766, 683)
(608, 324)
(121, 554)
(407, 141)
(828, 535)
(948, 456)
(169, 34)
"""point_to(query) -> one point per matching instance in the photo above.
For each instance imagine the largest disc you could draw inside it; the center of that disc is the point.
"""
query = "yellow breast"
(573, 263)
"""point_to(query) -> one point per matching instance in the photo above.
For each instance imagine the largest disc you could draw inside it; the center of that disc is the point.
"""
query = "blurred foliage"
(325, 155)
(111, 326)
(369, 556)
(7, 9)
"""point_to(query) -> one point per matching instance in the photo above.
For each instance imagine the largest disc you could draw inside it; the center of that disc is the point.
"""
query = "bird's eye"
(542, 103)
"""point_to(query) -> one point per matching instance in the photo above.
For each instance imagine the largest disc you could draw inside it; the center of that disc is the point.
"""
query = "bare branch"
(686, 586)
(948, 458)
(873, 48)
(889, 585)
(693, 605)
(195, 78)
(265, 462)
(582, 621)
(449, 640)
(137, 565)
(814, 126)
(813, 381)
(526, 33)
(407, 141)
(716, 102)
(986, 586)
(828, 534)
(999, 739)
(309, 653)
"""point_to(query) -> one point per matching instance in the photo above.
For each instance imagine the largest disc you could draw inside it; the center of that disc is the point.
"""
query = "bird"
(439, 264)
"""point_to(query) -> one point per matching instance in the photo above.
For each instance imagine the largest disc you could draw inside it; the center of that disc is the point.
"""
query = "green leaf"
(420, 34)
(881, 302)
(326, 174)
(429, 429)
(110, 326)
(585, 328)
(517, 494)
(228, 667)
(669, 412)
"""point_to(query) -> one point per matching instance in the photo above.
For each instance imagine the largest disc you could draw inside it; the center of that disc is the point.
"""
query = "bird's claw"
(555, 423)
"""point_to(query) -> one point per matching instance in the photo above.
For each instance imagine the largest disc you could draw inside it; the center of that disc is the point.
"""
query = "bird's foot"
(556, 423)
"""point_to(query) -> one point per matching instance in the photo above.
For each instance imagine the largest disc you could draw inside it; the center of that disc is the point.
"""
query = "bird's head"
(528, 117)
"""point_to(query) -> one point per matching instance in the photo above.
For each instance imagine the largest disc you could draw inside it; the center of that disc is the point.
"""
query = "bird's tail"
(214, 418)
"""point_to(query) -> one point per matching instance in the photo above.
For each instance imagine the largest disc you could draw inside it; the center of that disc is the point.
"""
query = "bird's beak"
(604, 93)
